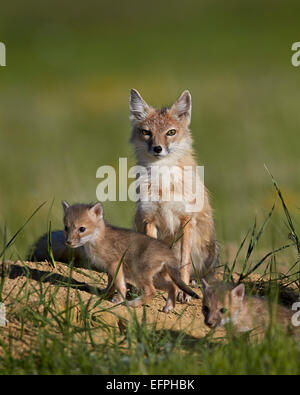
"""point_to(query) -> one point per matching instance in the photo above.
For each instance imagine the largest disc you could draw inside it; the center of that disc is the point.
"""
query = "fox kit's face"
(82, 223)
(159, 133)
(223, 306)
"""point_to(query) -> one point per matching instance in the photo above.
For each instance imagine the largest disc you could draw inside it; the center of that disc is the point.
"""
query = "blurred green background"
(64, 104)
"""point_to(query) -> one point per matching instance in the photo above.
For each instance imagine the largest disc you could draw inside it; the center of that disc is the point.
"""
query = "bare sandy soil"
(33, 285)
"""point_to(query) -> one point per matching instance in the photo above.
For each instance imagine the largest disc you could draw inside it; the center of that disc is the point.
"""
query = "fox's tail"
(175, 276)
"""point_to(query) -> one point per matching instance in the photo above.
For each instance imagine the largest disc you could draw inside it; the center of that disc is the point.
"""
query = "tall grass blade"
(49, 247)
(20, 230)
(180, 233)
(254, 240)
(293, 234)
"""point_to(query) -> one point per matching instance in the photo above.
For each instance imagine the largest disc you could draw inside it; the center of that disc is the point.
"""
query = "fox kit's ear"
(182, 108)
(205, 285)
(139, 109)
(238, 292)
(97, 210)
(65, 205)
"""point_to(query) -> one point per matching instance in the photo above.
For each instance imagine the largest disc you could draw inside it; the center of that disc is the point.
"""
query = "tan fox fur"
(147, 263)
(161, 137)
(222, 306)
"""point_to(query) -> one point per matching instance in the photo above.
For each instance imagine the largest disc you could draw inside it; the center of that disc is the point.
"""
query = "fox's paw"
(136, 302)
(117, 299)
(183, 297)
(168, 308)
(194, 284)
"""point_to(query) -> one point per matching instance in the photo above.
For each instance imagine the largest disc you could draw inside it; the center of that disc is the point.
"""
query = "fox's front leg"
(145, 225)
(151, 230)
(185, 264)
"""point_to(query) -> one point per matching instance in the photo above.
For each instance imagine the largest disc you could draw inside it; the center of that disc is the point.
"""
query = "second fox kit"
(147, 263)
(161, 137)
(223, 306)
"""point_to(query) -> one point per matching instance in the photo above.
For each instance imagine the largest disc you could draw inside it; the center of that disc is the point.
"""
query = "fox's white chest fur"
(168, 199)
(165, 214)
(95, 259)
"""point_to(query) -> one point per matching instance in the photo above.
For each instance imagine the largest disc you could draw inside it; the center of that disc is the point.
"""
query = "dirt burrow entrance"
(38, 287)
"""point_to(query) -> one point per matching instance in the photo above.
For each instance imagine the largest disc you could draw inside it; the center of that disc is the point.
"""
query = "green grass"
(65, 346)
(64, 112)
(160, 354)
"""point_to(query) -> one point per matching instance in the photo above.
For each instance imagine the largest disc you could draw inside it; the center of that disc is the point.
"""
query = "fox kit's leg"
(149, 293)
(110, 289)
(185, 264)
(171, 301)
(172, 289)
(163, 281)
(119, 283)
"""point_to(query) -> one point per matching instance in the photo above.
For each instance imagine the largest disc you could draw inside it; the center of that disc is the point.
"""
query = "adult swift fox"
(162, 140)
(127, 256)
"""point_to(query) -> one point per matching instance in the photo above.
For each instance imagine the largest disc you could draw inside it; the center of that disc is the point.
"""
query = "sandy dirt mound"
(39, 285)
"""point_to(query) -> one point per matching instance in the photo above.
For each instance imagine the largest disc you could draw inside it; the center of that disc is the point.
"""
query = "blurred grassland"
(64, 103)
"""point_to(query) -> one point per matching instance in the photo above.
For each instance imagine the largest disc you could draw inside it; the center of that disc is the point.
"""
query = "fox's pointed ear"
(65, 205)
(238, 292)
(97, 210)
(204, 284)
(182, 108)
(139, 109)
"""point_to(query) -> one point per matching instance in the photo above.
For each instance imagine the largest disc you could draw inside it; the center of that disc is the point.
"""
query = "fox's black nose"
(157, 149)
(209, 323)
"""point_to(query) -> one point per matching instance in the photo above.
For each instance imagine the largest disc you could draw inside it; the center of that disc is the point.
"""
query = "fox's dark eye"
(82, 229)
(171, 132)
(66, 228)
(223, 310)
(145, 132)
(205, 309)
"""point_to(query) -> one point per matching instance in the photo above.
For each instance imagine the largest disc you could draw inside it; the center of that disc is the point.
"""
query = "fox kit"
(222, 306)
(162, 140)
(147, 263)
